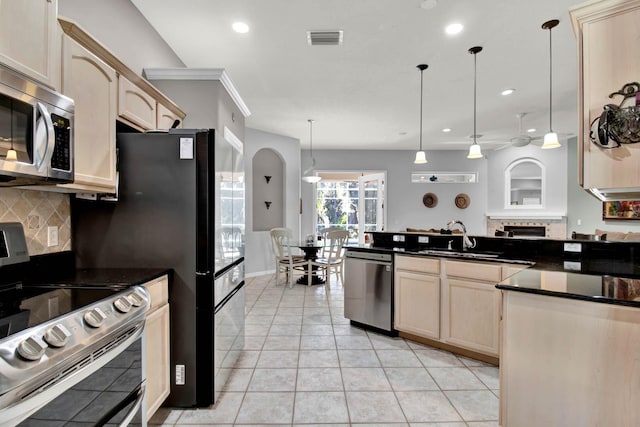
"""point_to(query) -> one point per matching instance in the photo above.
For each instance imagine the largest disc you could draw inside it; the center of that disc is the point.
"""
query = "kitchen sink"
(474, 255)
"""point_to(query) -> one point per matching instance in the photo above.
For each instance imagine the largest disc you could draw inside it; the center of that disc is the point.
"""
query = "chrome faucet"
(467, 243)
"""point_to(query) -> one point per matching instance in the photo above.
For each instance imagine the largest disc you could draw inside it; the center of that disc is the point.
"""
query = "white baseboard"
(259, 273)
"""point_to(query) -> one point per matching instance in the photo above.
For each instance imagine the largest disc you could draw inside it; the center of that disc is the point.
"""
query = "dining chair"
(324, 234)
(285, 261)
(333, 261)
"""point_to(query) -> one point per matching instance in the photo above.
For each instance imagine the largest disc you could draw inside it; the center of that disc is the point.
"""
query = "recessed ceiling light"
(507, 92)
(531, 130)
(428, 4)
(446, 130)
(454, 28)
(402, 133)
(240, 27)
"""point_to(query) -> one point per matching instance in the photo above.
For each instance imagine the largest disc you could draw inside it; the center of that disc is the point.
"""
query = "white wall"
(404, 206)
(119, 26)
(258, 253)
(554, 161)
(584, 207)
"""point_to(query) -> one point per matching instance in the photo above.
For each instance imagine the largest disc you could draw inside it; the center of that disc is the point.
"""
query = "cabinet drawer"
(473, 270)
(423, 265)
(159, 291)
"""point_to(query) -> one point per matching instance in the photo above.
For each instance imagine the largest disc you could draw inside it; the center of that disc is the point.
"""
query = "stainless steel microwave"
(36, 133)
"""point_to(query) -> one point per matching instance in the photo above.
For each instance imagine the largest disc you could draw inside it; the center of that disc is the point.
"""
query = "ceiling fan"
(522, 139)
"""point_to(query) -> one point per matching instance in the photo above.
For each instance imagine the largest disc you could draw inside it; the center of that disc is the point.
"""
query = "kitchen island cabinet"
(417, 296)
(453, 303)
(569, 353)
(157, 344)
(30, 39)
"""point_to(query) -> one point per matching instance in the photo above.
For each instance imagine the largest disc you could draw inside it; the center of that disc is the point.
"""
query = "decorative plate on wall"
(463, 200)
(430, 200)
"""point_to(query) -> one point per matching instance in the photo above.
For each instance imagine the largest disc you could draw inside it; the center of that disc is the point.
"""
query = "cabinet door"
(157, 358)
(29, 39)
(93, 86)
(604, 68)
(135, 106)
(417, 304)
(471, 315)
(165, 117)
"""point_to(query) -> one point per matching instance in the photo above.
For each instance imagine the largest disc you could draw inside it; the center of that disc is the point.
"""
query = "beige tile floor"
(304, 364)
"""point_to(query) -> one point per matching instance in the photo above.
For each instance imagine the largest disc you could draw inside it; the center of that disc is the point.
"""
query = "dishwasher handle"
(370, 256)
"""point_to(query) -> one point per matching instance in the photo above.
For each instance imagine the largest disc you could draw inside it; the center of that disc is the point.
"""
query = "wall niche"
(268, 190)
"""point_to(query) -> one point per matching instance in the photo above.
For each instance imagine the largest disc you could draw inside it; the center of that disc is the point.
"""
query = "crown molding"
(219, 74)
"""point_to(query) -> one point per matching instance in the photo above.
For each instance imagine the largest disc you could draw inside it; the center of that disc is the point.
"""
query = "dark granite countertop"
(100, 277)
(606, 279)
(59, 270)
(587, 287)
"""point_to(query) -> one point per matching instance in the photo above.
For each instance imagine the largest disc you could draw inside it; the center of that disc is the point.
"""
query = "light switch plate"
(423, 239)
(398, 238)
(52, 236)
(573, 247)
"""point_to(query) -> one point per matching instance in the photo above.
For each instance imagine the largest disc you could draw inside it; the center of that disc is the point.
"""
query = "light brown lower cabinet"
(450, 301)
(567, 362)
(157, 345)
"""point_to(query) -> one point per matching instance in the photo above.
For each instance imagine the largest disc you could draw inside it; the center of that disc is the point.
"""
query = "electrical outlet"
(573, 247)
(180, 375)
(52, 236)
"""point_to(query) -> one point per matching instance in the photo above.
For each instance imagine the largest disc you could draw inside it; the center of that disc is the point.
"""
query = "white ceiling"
(365, 94)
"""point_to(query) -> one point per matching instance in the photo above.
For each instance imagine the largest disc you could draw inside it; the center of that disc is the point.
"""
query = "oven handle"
(136, 396)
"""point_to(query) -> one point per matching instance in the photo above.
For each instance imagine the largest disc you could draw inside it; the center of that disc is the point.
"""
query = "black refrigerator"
(180, 205)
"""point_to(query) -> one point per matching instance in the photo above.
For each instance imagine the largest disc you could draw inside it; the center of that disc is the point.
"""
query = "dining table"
(311, 254)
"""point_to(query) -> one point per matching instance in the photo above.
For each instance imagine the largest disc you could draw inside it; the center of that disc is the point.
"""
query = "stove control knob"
(32, 348)
(122, 304)
(57, 336)
(94, 317)
(135, 299)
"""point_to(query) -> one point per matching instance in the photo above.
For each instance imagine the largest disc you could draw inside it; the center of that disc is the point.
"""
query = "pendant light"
(309, 176)
(12, 155)
(421, 157)
(474, 151)
(550, 138)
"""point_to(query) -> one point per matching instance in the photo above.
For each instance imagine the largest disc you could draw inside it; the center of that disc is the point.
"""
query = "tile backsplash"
(37, 210)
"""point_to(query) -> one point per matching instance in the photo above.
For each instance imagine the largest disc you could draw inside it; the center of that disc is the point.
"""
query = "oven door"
(109, 390)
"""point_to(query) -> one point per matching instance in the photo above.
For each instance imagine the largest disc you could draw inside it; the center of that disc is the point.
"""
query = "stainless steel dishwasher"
(368, 290)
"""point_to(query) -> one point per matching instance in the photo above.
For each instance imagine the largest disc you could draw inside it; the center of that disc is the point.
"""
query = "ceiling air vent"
(324, 38)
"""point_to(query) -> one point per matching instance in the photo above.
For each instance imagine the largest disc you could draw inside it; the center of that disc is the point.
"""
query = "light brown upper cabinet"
(30, 39)
(607, 33)
(93, 86)
(165, 118)
(135, 106)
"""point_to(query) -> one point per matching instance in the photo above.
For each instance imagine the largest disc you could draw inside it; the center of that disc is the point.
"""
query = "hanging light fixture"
(474, 151)
(309, 176)
(421, 157)
(550, 138)
(12, 155)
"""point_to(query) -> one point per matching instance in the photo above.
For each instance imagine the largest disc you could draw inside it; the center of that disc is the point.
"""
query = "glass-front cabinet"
(524, 184)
